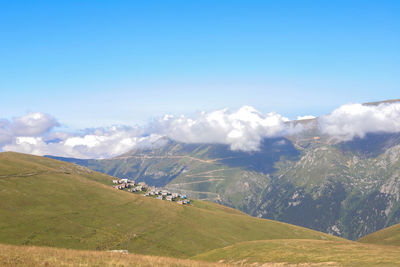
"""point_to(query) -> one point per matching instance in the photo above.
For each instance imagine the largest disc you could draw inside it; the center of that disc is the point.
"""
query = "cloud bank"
(242, 129)
(32, 124)
(356, 120)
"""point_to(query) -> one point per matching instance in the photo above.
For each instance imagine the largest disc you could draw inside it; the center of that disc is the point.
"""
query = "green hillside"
(387, 236)
(47, 202)
(305, 253)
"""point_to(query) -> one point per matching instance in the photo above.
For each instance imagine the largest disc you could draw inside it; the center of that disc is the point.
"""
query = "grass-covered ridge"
(388, 236)
(305, 253)
(44, 256)
(47, 202)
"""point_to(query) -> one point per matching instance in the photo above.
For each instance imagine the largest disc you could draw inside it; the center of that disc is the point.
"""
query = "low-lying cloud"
(112, 142)
(356, 120)
(242, 129)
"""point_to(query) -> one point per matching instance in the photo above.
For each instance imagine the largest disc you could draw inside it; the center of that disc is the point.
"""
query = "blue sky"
(97, 63)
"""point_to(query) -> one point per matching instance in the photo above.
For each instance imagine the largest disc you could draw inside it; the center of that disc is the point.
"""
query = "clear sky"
(96, 63)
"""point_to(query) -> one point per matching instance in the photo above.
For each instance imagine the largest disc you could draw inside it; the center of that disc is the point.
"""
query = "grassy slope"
(45, 256)
(387, 236)
(52, 203)
(307, 252)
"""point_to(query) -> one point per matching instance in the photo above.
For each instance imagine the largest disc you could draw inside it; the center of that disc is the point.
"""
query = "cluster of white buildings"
(166, 195)
(150, 191)
(121, 184)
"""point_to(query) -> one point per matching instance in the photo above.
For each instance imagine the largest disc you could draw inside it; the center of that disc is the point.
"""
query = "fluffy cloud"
(306, 117)
(356, 120)
(105, 143)
(242, 130)
(32, 124)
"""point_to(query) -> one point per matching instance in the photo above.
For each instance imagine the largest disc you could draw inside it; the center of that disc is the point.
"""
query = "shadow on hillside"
(271, 151)
(372, 145)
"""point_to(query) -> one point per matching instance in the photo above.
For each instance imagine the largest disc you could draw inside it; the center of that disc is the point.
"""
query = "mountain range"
(346, 188)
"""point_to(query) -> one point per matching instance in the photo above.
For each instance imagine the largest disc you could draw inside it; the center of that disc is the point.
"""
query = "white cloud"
(28, 140)
(242, 130)
(306, 117)
(33, 124)
(98, 143)
(356, 120)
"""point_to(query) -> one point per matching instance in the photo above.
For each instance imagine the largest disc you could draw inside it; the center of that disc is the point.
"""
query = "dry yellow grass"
(292, 252)
(43, 256)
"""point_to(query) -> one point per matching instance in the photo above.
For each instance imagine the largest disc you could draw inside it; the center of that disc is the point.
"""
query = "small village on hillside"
(150, 191)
